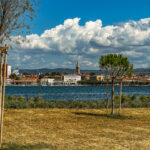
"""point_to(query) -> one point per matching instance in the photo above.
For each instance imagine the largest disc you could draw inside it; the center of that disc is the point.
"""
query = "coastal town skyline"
(74, 74)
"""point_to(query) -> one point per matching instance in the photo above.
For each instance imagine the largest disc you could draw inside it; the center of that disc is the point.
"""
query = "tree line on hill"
(138, 71)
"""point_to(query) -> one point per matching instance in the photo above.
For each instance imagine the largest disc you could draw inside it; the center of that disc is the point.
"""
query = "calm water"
(72, 92)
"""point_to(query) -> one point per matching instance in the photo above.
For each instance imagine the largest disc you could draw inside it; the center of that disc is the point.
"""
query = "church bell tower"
(77, 68)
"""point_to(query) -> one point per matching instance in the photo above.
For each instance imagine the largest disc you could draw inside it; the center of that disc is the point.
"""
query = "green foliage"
(37, 98)
(115, 65)
(41, 76)
(11, 97)
(124, 83)
(91, 82)
(21, 98)
(37, 102)
(47, 74)
(92, 74)
(65, 73)
(55, 73)
(25, 73)
(13, 76)
(144, 98)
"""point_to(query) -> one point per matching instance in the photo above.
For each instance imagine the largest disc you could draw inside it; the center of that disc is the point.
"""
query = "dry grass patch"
(76, 129)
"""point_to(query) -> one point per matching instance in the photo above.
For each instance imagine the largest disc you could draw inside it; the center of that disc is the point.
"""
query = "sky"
(67, 31)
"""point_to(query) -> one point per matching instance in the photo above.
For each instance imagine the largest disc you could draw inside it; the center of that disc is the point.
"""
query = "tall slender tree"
(115, 66)
(126, 69)
(101, 66)
(15, 19)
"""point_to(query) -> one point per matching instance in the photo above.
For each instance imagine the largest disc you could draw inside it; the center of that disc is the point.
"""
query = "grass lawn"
(76, 129)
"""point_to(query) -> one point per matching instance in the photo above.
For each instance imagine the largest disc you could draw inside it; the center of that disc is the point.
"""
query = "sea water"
(72, 92)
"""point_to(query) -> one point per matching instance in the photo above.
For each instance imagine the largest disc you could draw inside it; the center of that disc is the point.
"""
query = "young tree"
(101, 66)
(115, 66)
(15, 17)
(126, 69)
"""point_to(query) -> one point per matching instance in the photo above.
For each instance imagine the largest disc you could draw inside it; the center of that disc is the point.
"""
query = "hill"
(60, 70)
(138, 71)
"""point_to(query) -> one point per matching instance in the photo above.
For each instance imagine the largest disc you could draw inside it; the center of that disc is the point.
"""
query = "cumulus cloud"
(26, 57)
(52, 64)
(88, 42)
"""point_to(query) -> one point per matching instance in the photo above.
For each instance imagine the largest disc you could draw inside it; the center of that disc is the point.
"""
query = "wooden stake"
(3, 96)
(1, 68)
(120, 97)
(112, 112)
(2, 92)
(107, 98)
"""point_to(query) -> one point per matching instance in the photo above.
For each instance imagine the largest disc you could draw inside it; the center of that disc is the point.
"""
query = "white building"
(16, 71)
(8, 70)
(8, 82)
(47, 81)
(72, 79)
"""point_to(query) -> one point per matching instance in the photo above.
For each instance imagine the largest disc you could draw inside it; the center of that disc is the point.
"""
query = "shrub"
(144, 98)
(38, 102)
(11, 97)
(21, 98)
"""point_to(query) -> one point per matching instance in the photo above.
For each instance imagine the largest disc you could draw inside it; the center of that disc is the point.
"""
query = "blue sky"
(54, 12)
(69, 30)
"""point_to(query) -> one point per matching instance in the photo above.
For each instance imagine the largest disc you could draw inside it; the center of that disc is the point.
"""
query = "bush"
(21, 98)
(37, 102)
(144, 98)
(11, 98)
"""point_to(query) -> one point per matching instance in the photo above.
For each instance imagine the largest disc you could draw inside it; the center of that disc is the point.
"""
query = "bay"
(72, 92)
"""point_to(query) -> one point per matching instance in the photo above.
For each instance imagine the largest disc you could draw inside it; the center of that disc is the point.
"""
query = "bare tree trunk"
(3, 97)
(112, 112)
(120, 97)
(1, 68)
(107, 99)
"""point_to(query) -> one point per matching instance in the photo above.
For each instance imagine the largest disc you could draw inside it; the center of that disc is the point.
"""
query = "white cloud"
(86, 63)
(141, 65)
(26, 57)
(67, 64)
(92, 40)
(52, 64)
